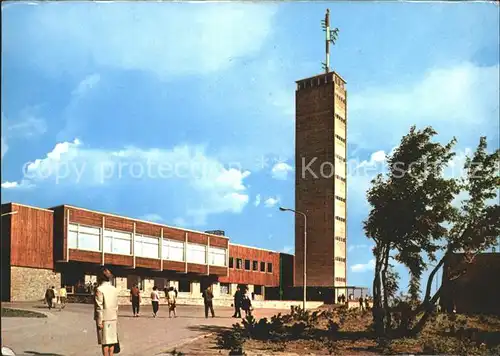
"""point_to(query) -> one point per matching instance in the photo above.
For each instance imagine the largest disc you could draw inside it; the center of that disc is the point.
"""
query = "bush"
(297, 330)
(232, 340)
(333, 327)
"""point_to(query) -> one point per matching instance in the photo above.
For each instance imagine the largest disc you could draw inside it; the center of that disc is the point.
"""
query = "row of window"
(339, 279)
(339, 218)
(340, 178)
(340, 198)
(339, 157)
(340, 138)
(341, 239)
(340, 118)
(250, 265)
(339, 259)
(118, 242)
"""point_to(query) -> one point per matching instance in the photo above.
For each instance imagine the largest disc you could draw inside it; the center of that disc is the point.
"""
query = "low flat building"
(67, 245)
(478, 290)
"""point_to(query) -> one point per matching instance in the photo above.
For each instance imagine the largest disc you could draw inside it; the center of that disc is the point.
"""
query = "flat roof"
(322, 75)
(255, 248)
(28, 206)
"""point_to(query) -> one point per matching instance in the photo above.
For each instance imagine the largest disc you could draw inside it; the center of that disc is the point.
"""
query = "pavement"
(72, 330)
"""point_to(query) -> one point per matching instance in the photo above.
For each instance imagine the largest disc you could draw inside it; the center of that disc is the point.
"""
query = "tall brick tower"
(320, 183)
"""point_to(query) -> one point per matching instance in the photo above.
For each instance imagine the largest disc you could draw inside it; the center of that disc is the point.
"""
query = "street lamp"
(9, 213)
(305, 249)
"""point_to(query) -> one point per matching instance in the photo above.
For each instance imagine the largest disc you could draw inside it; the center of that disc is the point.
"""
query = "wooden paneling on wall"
(32, 237)
(253, 277)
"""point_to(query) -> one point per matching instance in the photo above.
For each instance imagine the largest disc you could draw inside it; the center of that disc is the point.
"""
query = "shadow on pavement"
(209, 328)
(41, 353)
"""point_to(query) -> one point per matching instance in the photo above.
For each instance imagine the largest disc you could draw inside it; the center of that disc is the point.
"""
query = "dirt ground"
(353, 339)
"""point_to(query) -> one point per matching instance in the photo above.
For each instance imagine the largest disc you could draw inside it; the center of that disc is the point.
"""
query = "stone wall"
(30, 284)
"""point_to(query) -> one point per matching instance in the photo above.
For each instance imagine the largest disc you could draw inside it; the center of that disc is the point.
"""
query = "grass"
(17, 313)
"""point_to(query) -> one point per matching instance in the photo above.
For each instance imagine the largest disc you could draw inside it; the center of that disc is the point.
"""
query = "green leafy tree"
(413, 219)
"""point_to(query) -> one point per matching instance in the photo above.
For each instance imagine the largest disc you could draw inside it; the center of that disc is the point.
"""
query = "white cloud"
(210, 187)
(86, 84)
(257, 200)
(461, 101)
(280, 170)
(9, 185)
(152, 217)
(271, 202)
(157, 38)
(363, 267)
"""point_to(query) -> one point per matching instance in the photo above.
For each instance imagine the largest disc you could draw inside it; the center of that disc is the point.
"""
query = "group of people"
(170, 296)
(242, 300)
(53, 297)
(364, 303)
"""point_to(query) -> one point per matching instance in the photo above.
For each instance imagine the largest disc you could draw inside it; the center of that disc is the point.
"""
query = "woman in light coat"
(106, 314)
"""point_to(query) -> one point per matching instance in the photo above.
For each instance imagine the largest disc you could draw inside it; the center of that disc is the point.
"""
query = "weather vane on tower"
(331, 37)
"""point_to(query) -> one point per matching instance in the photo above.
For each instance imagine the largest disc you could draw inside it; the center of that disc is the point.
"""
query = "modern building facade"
(321, 180)
(66, 245)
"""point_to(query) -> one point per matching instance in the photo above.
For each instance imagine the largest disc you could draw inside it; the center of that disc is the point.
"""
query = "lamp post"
(9, 213)
(305, 250)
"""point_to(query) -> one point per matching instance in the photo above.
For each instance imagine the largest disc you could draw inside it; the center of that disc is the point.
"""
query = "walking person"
(208, 296)
(171, 300)
(63, 296)
(238, 297)
(49, 297)
(155, 301)
(135, 299)
(106, 314)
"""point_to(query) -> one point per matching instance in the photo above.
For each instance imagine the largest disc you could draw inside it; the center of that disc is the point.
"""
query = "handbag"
(117, 348)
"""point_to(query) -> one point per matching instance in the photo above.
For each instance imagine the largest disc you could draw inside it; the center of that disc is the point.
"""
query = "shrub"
(333, 327)
(297, 330)
(232, 340)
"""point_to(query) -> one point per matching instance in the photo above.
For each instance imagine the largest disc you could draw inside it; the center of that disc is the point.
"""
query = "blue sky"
(101, 101)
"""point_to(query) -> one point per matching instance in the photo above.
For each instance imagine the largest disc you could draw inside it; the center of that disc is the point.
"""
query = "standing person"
(135, 298)
(49, 297)
(208, 296)
(360, 303)
(106, 314)
(367, 303)
(54, 299)
(171, 300)
(155, 301)
(238, 297)
(246, 303)
(63, 295)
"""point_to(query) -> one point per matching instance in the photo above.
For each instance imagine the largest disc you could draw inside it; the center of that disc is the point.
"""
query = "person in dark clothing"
(246, 303)
(339, 299)
(208, 296)
(361, 303)
(367, 303)
(135, 298)
(238, 296)
(49, 297)
(342, 298)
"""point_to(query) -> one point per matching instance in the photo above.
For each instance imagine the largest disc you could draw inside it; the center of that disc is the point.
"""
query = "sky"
(183, 113)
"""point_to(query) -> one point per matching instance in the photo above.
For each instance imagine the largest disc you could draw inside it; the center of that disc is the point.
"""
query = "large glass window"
(196, 253)
(84, 237)
(217, 256)
(146, 246)
(173, 250)
(184, 286)
(117, 242)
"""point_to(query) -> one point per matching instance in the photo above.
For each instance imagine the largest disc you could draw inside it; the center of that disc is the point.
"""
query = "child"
(171, 298)
(155, 300)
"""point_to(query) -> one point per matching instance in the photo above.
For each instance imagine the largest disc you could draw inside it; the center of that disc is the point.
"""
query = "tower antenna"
(330, 37)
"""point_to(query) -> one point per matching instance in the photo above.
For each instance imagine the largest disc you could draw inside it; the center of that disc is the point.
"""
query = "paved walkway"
(72, 330)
